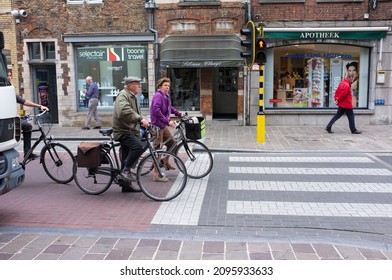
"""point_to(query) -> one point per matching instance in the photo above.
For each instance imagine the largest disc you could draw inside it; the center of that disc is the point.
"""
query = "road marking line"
(310, 186)
(310, 171)
(279, 208)
(184, 209)
(299, 159)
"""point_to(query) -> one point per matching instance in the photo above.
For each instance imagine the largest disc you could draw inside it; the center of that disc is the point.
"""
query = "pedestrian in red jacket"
(344, 99)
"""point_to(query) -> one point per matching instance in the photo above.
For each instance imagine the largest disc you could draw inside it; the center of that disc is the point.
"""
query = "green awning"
(201, 51)
(343, 33)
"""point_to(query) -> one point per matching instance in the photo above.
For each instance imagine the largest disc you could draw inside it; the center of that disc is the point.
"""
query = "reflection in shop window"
(185, 88)
(109, 65)
(306, 76)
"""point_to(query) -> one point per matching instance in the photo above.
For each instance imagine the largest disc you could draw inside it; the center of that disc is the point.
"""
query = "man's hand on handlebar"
(144, 123)
(43, 108)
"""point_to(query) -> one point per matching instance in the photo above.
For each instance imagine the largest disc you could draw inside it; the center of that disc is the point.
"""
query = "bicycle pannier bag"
(89, 154)
(195, 128)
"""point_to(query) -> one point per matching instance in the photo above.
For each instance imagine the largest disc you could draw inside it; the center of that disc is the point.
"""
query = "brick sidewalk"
(70, 247)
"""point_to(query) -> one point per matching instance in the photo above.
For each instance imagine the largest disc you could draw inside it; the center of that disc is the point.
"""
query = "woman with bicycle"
(160, 111)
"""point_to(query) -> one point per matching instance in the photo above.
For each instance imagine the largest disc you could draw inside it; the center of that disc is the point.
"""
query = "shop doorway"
(225, 93)
(45, 88)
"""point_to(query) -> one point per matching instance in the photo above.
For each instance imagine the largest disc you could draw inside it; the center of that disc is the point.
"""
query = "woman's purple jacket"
(161, 109)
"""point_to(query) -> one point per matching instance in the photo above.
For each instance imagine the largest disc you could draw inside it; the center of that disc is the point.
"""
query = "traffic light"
(249, 43)
(261, 51)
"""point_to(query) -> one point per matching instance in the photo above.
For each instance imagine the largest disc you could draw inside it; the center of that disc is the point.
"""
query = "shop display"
(316, 82)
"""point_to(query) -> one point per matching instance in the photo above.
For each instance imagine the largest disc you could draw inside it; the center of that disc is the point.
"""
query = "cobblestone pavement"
(20, 242)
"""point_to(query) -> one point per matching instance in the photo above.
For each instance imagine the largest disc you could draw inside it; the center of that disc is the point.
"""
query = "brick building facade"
(197, 44)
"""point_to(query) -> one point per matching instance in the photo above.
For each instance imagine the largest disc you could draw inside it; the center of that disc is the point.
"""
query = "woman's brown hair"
(161, 81)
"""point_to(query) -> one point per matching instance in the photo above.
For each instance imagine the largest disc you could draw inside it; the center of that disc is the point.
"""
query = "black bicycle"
(195, 154)
(96, 180)
(56, 159)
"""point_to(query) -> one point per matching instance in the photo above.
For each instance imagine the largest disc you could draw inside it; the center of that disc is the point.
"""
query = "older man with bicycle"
(126, 128)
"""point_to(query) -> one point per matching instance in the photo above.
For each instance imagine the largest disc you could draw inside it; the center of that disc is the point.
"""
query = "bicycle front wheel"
(197, 158)
(94, 180)
(57, 161)
(165, 187)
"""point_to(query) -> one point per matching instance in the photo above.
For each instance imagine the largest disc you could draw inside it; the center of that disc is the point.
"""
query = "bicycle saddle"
(106, 131)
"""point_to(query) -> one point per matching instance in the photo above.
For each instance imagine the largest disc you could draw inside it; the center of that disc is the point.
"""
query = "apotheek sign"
(337, 35)
(320, 35)
(111, 54)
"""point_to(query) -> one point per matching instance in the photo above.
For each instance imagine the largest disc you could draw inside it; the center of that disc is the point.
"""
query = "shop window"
(42, 50)
(306, 76)
(185, 88)
(109, 65)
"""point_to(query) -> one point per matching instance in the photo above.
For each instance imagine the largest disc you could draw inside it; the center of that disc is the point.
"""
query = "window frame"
(43, 53)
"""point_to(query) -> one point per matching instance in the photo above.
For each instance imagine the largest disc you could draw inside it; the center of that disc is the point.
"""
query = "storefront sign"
(335, 35)
(111, 54)
(276, 100)
(319, 35)
(200, 64)
(316, 55)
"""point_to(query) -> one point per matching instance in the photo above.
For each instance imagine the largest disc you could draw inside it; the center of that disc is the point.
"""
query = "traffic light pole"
(260, 115)
(261, 59)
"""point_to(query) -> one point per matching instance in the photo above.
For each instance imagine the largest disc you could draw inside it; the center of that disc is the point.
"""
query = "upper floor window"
(41, 50)
(80, 2)
(281, 1)
(199, 2)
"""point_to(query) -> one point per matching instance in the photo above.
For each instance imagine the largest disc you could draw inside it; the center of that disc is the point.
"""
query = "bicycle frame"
(179, 136)
(110, 149)
(42, 138)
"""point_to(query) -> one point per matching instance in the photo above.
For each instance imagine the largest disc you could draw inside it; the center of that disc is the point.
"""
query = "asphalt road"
(331, 198)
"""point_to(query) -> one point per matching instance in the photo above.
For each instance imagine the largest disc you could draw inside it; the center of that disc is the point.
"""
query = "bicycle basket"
(45, 121)
(195, 128)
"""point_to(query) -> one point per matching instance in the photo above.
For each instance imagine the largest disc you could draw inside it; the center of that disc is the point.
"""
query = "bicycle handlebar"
(30, 116)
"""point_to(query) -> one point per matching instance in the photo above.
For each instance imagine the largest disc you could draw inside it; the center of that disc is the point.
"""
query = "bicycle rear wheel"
(94, 180)
(197, 158)
(57, 161)
(158, 188)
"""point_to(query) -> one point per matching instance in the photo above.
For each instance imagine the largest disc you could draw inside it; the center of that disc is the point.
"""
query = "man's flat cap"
(131, 79)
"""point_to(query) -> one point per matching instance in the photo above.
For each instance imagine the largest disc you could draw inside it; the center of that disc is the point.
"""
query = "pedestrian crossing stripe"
(320, 209)
(310, 186)
(310, 171)
(300, 159)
